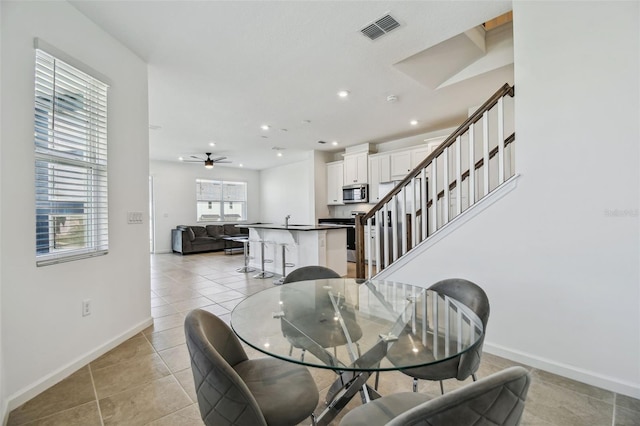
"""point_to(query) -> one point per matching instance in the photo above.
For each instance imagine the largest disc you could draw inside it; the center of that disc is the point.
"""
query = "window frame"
(70, 158)
(221, 201)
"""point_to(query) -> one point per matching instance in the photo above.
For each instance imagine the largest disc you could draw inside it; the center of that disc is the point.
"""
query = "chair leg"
(415, 384)
(290, 350)
(474, 377)
(302, 355)
(441, 388)
(375, 385)
(313, 419)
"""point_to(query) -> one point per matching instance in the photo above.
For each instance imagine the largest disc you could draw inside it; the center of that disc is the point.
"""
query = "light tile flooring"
(147, 379)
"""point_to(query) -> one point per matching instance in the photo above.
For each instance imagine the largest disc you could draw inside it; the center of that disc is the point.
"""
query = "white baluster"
(403, 219)
(458, 175)
(485, 153)
(378, 241)
(423, 203)
(447, 333)
(445, 200)
(394, 228)
(500, 141)
(472, 165)
(385, 233)
(434, 195)
(369, 249)
(414, 208)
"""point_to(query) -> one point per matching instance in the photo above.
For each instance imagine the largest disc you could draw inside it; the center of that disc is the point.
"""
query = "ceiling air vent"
(380, 27)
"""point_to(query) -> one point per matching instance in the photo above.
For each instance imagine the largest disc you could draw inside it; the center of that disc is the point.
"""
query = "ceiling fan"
(208, 162)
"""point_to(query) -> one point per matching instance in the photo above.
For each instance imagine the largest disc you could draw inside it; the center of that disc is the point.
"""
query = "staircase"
(473, 161)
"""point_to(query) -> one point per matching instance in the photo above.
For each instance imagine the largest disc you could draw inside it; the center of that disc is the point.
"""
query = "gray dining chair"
(325, 336)
(463, 365)
(235, 390)
(313, 272)
(496, 400)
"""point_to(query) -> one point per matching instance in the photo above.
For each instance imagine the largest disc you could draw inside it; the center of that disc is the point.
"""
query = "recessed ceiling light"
(334, 143)
(265, 127)
(279, 154)
(212, 144)
(343, 93)
(180, 158)
(240, 165)
(414, 122)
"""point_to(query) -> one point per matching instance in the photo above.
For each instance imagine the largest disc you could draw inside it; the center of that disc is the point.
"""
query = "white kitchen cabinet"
(356, 168)
(374, 179)
(379, 172)
(335, 174)
(419, 154)
(400, 164)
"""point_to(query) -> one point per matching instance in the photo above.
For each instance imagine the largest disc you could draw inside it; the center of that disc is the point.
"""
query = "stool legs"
(280, 281)
(263, 273)
(246, 268)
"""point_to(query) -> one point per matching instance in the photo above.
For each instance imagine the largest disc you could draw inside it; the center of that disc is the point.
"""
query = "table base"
(342, 391)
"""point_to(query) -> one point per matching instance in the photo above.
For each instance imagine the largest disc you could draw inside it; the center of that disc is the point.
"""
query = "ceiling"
(218, 70)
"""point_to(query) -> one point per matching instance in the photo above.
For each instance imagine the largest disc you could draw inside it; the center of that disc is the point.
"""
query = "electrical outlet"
(86, 307)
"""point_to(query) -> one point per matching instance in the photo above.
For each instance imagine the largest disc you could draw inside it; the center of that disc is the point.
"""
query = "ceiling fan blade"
(218, 159)
(197, 158)
(192, 161)
(222, 162)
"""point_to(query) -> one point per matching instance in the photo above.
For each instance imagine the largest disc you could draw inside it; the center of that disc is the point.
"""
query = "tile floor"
(147, 379)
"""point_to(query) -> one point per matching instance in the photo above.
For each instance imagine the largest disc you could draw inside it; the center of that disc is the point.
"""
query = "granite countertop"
(293, 227)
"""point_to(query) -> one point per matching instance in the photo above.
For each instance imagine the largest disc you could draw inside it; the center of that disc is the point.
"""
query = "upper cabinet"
(356, 168)
(379, 172)
(400, 164)
(419, 154)
(335, 175)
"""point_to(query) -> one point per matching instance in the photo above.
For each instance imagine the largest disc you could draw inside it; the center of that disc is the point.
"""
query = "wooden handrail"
(476, 166)
(361, 218)
(506, 89)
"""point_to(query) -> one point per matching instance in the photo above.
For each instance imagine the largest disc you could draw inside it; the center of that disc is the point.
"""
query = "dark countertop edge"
(294, 227)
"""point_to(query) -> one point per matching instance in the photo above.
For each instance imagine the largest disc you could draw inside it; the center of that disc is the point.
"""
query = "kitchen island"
(305, 245)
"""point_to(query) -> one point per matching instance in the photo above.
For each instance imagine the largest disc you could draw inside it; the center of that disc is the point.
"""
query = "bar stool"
(285, 264)
(263, 273)
(246, 268)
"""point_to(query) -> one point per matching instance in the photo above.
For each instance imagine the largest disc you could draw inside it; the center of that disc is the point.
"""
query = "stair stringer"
(455, 223)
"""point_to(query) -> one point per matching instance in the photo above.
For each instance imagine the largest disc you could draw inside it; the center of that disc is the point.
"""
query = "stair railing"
(459, 172)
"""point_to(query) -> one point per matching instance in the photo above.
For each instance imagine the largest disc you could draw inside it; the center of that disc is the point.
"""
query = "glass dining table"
(355, 328)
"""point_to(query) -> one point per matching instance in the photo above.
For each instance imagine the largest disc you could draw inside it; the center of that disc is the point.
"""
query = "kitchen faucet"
(286, 220)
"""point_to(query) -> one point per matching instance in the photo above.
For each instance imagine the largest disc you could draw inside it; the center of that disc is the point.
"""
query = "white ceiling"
(218, 70)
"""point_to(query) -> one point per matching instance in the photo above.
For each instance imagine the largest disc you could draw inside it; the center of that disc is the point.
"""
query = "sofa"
(186, 239)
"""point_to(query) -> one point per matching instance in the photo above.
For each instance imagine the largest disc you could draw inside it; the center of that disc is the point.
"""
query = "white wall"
(174, 187)
(287, 190)
(44, 336)
(3, 397)
(559, 256)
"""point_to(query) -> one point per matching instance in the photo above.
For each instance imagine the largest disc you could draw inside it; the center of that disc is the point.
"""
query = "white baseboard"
(4, 412)
(585, 376)
(32, 390)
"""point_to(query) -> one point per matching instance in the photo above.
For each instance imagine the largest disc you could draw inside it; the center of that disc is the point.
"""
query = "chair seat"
(286, 393)
(381, 411)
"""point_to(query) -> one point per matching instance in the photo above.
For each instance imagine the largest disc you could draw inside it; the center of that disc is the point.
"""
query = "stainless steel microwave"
(355, 193)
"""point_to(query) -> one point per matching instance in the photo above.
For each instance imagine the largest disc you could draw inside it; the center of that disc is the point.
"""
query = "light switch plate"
(134, 218)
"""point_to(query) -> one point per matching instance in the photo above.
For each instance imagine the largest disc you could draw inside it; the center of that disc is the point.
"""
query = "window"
(70, 162)
(219, 201)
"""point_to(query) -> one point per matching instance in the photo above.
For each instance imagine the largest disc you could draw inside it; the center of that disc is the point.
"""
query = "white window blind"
(70, 162)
